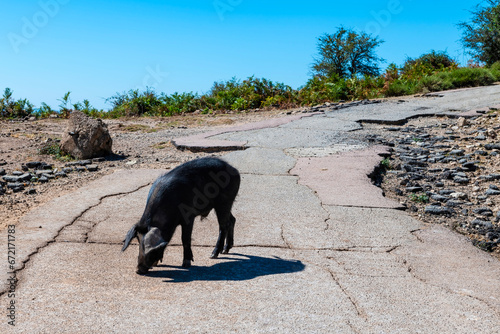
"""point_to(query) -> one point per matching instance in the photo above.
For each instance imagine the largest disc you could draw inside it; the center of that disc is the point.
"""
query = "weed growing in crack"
(422, 198)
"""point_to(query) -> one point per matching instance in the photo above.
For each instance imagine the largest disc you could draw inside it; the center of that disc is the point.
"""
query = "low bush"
(10, 108)
(459, 78)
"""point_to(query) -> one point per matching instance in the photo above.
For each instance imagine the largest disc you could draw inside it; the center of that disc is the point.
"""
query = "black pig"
(176, 198)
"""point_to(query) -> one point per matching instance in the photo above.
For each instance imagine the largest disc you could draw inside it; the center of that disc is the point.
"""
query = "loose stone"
(481, 223)
(438, 210)
(11, 178)
(492, 192)
(41, 172)
(459, 195)
(439, 198)
(461, 180)
(495, 146)
(454, 203)
(33, 164)
(457, 152)
(25, 177)
(414, 189)
(483, 211)
(84, 162)
(13, 185)
(92, 168)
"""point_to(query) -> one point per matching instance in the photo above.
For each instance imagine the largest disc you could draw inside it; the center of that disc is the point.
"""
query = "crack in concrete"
(392, 249)
(359, 310)
(493, 308)
(361, 249)
(282, 235)
(414, 233)
(17, 271)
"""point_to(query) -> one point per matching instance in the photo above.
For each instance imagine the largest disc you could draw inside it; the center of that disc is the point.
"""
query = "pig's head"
(151, 247)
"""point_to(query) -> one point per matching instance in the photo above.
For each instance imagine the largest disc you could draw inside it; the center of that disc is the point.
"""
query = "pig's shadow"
(239, 268)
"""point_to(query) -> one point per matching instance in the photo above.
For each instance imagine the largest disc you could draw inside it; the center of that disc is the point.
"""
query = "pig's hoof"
(186, 264)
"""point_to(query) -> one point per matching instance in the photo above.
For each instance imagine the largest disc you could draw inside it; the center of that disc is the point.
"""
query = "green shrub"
(428, 64)
(134, 103)
(422, 198)
(471, 77)
(397, 88)
(44, 111)
(495, 70)
(10, 108)
(51, 147)
(459, 78)
(437, 82)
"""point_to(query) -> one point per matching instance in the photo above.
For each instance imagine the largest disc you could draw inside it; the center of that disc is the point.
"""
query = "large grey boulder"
(86, 137)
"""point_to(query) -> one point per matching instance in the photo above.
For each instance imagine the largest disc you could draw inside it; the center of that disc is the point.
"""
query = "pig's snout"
(142, 270)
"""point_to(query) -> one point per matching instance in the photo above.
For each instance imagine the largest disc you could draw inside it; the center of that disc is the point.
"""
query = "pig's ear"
(131, 234)
(154, 244)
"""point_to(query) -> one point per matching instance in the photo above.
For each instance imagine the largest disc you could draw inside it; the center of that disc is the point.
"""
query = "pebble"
(92, 168)
(33, 164)
(439, 198)
(13, 185)
(10, 178)
(41, 172)
(84, 162)
(457, 152)
(492, 192)
(459, 195)
(437, 210)
(461, 180)
(454, 203)
(495, 146)
(414, 189)
(482, 223)
(25, 177)
(483, 211)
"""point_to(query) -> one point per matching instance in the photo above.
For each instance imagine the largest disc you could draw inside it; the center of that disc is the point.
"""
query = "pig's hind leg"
(224, 218)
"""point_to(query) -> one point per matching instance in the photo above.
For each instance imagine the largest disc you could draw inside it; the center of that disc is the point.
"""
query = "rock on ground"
(86, 137)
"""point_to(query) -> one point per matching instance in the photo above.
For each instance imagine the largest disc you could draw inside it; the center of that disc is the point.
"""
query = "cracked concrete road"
(318, 248)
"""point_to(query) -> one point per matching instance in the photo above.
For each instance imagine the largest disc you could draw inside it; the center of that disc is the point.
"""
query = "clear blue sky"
(97, 48)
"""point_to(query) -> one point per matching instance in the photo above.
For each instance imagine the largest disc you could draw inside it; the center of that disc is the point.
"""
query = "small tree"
(482, 35)
(10, 108)
(428, 64)
(347, 53)
(64, 106)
